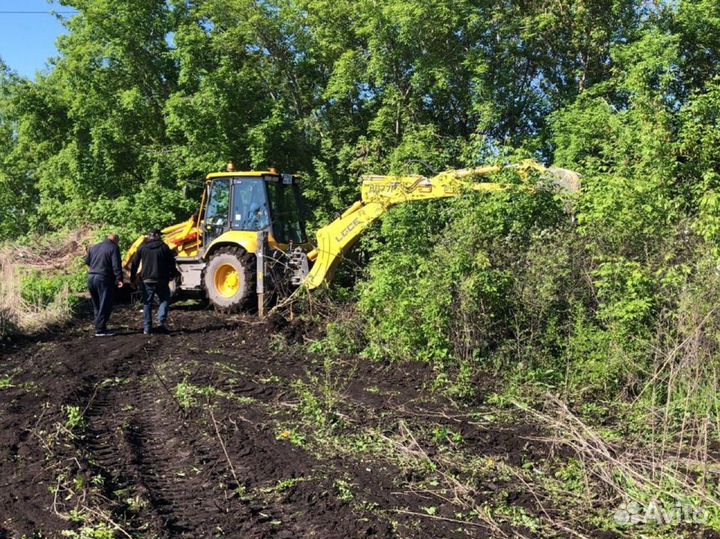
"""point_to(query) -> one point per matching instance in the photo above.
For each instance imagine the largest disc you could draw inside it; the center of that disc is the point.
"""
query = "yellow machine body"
(186, 238)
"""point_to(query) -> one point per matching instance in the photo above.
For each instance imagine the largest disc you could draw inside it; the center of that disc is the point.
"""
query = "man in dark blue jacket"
(105, 273)
(158, 269)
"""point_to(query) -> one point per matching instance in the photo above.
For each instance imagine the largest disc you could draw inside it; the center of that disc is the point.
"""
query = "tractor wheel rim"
(227, 281)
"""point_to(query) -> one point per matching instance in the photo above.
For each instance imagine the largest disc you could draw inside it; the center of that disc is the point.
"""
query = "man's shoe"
(163, 330)
(147, 331)
(104, 333)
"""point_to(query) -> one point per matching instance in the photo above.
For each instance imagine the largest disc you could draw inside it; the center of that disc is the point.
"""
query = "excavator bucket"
(566, 180)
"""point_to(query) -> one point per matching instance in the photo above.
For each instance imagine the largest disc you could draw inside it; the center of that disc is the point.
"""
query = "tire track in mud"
(183, 480)
(167, 476)
(161, 472)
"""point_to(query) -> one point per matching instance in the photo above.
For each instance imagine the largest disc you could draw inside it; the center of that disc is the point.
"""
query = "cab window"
(250, 205)
(288, 225)
(218, 206)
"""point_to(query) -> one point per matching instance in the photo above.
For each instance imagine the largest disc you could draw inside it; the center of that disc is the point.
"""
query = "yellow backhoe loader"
(250, 221)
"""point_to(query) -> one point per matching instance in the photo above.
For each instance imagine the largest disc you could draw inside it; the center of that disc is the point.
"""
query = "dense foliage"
(589, 293)
(145, 96)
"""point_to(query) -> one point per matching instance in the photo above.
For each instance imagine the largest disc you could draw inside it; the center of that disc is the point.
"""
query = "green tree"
(18, 193)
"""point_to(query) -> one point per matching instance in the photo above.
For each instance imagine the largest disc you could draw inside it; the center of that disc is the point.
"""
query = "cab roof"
(252, 174)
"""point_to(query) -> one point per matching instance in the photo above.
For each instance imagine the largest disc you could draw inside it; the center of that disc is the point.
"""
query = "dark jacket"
(104, 259)
(158, 262)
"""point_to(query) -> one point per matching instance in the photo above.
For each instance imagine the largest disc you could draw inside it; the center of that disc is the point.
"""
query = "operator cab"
(253, 202)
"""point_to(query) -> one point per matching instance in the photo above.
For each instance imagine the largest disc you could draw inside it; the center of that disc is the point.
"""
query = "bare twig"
(606, 462)
(167, 389)
(54, 505)
(103, 516)
(222, 444)
(553, 522)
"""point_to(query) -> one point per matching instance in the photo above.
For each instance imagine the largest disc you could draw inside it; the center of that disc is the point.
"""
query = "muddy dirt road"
(229, 427)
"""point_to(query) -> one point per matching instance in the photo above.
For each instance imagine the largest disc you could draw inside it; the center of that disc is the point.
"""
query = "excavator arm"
(177, 237)
(380, 193)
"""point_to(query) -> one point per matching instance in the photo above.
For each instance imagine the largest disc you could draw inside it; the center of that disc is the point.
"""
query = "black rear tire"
(229, 279)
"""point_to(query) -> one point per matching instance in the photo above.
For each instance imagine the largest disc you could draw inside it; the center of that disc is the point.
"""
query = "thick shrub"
(572, 296)
(447, 290)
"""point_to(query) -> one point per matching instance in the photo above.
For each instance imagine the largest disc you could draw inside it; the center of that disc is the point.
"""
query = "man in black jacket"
(158, 268)
(105, 272)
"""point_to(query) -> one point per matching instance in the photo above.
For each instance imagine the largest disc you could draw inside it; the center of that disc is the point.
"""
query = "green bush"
(40, 289)
(578, 301)
(442, 285)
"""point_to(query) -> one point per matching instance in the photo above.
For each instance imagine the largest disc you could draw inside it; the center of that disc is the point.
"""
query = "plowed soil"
(211, 431)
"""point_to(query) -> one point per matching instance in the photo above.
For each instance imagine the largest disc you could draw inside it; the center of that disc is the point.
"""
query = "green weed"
(444, 436)
(345, 494)
(278, 343)
(295, 437)
(95, 531)
(283, 485)
(189, 395)
(74, 418)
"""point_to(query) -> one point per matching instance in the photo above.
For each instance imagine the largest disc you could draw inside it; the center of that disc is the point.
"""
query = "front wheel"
(229, 278)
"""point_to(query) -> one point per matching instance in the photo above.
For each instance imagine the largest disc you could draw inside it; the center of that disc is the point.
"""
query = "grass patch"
(39, 282)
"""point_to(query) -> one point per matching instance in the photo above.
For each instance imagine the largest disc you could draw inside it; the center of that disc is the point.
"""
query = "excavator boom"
(380, 193)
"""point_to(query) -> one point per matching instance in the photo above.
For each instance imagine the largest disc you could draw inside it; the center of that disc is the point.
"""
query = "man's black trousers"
(101, 292)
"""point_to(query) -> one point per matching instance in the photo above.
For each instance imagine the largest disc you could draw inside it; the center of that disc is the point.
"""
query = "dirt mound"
(51, 255)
